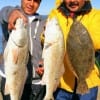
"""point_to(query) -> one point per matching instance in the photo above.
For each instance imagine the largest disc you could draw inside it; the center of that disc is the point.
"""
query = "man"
(67, 11)
(36, 22)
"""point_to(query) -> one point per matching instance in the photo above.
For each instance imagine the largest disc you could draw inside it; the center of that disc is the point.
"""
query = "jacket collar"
(38, 16)
(86, 8)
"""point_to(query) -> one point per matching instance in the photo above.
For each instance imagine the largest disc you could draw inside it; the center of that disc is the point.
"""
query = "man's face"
(74, 5)
(30, 6)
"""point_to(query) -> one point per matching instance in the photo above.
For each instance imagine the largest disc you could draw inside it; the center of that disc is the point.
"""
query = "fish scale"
(15, 60)
(81, 54)
(53, 55)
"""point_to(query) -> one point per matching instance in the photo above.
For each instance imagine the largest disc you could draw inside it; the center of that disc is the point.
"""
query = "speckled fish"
(53, 55)
(81, 54)
(15, 60)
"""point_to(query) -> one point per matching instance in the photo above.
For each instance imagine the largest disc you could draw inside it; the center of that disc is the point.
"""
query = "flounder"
(81, 54)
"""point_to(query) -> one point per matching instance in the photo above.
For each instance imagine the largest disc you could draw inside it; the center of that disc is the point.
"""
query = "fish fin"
(15, 55)
(74, 73)
(67, 62)
(82, 87)
(5, 55)
(6, 91)
(1, 96)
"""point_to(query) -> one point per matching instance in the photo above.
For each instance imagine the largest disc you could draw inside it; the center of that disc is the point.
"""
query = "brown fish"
(81, 54)
(15, 60)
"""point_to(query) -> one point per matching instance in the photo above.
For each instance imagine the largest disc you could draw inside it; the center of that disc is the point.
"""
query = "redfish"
(53, 56)
(15, 60)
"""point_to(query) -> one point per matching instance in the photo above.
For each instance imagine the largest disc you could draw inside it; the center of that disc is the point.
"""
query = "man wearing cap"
(67, 11)
(28, 11)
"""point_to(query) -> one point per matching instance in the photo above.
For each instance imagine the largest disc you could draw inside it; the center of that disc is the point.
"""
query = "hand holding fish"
(14, 15)
(40, 68)
(15, 60)
(53, 55)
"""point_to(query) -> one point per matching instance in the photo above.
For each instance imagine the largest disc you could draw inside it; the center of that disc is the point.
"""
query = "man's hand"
(40, 68)
(13, 17)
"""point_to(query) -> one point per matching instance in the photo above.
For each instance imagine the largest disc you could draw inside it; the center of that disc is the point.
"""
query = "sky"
(45, 7)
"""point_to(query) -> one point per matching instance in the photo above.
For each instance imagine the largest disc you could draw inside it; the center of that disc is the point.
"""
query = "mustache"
(73, 3)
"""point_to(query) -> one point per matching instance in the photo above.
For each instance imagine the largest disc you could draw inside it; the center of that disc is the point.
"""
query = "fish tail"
(6, 91)
(1, 97)
(82, 87)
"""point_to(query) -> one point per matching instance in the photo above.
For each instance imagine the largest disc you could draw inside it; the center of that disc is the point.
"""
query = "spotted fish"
(15, 60)
(81, 54)
(53, 55)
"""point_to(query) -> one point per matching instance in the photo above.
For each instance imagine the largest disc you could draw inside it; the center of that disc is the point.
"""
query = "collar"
(86, 8)
(36, 17)
(33, 17)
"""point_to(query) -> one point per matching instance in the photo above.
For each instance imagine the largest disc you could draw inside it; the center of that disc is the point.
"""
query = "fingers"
(40, 70)
(13, 17)
(11, 26)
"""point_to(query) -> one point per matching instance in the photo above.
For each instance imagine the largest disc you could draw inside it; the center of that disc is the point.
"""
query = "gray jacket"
(36, 54)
